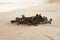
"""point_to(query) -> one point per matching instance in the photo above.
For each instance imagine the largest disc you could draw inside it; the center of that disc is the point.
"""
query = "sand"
(10, 31)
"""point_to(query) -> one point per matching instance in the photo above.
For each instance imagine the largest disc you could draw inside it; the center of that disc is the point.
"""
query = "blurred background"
(8, 5)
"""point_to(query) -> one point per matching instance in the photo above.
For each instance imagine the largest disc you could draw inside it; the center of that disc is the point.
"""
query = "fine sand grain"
(10, 31)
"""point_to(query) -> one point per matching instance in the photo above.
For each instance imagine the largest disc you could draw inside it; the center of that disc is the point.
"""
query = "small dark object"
(13, 21)
(34, 20)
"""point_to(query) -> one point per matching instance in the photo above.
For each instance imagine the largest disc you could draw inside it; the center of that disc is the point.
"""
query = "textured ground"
(10, 31)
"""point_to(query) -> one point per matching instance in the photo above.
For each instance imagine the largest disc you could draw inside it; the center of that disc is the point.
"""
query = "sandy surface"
(10, 31)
